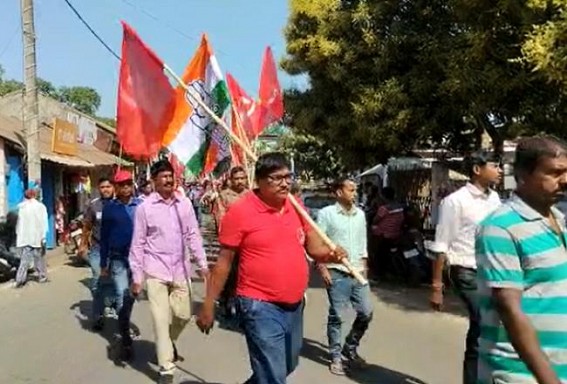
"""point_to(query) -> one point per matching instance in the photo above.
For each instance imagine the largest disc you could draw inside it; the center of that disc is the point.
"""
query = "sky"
(67, 53)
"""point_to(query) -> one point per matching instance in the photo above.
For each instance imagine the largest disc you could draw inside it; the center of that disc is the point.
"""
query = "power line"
(93, 32)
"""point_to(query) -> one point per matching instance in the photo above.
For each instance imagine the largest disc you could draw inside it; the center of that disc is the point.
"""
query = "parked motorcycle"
(9, 257)
(73, 236)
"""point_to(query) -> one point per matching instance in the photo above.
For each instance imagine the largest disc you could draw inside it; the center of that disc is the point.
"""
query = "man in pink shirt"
(164, 227)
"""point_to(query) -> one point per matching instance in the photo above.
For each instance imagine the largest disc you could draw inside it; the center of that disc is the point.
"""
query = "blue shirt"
(117, 227)
(347, 229)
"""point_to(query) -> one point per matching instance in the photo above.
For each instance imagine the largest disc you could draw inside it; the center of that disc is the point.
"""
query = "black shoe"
(165, 378)
(175, 354)
(98, 325)
(353, 359)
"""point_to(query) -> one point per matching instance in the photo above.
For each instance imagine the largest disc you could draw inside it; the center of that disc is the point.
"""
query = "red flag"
(146, 99)
(178, 168)
(244, 105)
(270, 103)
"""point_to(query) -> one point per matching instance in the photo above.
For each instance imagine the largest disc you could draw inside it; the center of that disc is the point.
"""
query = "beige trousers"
(170, 304)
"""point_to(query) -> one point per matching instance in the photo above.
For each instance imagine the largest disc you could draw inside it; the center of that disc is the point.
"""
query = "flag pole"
(254, 158)
(242, 133)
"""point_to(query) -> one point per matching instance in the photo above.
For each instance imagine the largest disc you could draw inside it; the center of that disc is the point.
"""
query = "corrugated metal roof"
(87, 155)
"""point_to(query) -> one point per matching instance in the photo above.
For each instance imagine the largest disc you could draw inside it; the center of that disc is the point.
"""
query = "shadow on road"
(144, 350)
(372, 374)
(415, 299)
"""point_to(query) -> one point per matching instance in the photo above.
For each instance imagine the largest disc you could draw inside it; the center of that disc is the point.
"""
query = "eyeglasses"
(279, 179)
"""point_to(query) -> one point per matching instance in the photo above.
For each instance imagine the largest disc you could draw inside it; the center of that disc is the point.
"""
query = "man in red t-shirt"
(271, 239)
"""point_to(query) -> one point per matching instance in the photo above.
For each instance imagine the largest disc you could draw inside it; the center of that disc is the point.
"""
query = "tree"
(313, 159)
(545, 48)
(84, 99)
(389, 75)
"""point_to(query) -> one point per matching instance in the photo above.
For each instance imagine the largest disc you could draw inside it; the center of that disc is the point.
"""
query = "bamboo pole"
(242, 133)
(254, 158)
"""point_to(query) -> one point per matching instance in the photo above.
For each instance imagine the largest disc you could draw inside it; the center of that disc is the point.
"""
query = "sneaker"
(43, 280)
(354, 359)
(165, 378)
(98, 325)
(336, 367)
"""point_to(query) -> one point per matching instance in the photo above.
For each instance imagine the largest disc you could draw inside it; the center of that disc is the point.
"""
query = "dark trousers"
(464, 281)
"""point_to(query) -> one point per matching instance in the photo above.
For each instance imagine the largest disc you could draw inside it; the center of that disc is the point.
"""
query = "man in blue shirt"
(115, 238)
(345, 224)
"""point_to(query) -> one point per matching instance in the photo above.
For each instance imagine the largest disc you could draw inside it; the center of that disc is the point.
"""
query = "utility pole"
(31, 109)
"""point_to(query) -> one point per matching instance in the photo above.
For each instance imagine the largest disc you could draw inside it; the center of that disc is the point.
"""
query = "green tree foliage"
(313, 158)
(388, 75)
(546, 46)
(83, 99)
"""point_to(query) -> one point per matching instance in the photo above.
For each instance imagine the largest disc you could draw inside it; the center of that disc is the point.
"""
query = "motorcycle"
(9, 258)
(73, 235)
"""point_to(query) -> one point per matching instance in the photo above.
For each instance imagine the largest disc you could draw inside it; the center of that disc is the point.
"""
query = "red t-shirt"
(272, 264)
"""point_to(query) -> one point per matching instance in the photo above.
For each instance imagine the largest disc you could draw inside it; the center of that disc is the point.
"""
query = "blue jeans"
(274, 335)
(121, 276)
(464, 281)
(346, 291)
(102, 289)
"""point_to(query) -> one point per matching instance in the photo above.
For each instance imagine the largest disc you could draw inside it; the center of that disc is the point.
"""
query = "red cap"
(121, 176)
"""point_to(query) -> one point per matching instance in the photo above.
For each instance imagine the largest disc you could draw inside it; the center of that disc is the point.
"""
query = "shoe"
(19, 285)
(165, 378)
(336, 367)
(98, 325)
(43, 280)
(354, 359)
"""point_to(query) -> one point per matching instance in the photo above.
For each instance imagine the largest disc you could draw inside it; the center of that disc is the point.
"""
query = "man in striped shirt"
(522, 274)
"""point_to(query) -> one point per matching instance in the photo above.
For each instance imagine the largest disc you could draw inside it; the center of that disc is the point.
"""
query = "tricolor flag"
(193, 136)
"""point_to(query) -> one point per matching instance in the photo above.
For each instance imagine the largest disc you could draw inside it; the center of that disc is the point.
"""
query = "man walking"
(31, 232)
(237, 188)
(460, 215)
(522, 263)
(90, 246)
(345, 224)
(115, 239)
(269, 235)
(165, 226)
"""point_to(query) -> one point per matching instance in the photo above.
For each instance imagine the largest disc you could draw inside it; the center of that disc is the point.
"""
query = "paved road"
(44, 338)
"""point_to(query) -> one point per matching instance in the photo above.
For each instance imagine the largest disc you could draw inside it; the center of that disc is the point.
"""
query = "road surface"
(45, 338)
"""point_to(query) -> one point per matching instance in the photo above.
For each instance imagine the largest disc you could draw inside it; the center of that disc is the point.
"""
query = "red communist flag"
(270, 103)
(146, 99)
(244, 105)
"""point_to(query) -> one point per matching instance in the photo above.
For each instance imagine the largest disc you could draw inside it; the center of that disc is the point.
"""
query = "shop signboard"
(64, 140)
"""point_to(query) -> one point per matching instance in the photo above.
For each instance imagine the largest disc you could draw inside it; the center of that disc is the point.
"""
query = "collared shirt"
(93, 217)
(460, 214)
(163, 230)
(517, 248)
(347, 229)
(272, 264)
(31, 228)
(116, 229)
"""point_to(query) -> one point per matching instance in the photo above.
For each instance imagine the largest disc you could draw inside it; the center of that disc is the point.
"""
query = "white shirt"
(460, 214)
(31, 229)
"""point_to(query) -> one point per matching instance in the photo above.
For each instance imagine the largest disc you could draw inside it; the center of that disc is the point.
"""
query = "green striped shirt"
(517, 248)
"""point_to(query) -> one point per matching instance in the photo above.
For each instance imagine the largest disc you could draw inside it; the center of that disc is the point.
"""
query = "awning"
(88, 156)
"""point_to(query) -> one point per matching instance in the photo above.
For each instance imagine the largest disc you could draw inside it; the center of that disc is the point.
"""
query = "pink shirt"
(162, 232)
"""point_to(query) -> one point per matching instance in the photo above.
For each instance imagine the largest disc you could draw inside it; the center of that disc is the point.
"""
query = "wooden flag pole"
(242, 134)
(254, 158)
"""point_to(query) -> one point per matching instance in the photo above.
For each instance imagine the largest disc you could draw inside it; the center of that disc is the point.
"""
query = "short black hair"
(478, 159)
(340, 183)
(104, 179)
(531, 150)
(161, 166)
(269, 163)
(144, 183)
(295, 188)
(236, 170)
(389, 193)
